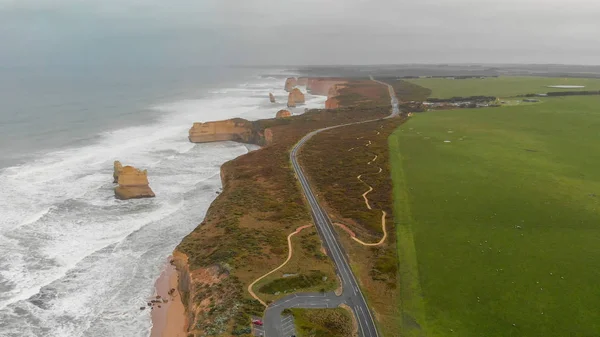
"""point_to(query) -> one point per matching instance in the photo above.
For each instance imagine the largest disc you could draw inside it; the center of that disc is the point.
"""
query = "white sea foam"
(76, 262)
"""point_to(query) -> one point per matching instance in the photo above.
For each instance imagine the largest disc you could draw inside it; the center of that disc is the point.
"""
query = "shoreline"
(168, 320)
(171, 320)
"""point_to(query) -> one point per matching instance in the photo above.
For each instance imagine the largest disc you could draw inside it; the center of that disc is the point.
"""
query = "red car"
(257, 322)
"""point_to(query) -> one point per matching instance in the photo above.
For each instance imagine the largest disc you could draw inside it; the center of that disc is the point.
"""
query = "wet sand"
(169, 320)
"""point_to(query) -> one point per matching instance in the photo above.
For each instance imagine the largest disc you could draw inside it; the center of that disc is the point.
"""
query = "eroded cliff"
(321, 86)
(236, 129)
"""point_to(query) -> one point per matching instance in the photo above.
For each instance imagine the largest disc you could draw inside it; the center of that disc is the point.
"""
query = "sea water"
(74, 261)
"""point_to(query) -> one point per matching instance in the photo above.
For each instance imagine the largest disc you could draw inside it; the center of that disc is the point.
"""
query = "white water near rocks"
(76, 262)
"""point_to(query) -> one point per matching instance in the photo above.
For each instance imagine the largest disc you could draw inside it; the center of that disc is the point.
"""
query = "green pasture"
(501, 86)
(498, 215)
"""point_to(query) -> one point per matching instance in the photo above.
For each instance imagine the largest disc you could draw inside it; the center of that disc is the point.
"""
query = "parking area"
(287, 326)
(257, 330)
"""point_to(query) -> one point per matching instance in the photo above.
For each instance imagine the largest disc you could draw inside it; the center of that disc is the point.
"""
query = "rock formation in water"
(271, 98)
(133, 183)
(295, 97)
(290, 83)
(236, 129)
(117, 167)
(283, 114)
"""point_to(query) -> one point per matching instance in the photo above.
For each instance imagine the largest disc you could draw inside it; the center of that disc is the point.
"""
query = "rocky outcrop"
(133, 183)
(236, 129)
(290, 83)
(271, 98)
(268, 136)
(321, 86)
(332, 102)
(295, 97)
(117, 167)
(283, 114)
(291, 103)
(302, 81)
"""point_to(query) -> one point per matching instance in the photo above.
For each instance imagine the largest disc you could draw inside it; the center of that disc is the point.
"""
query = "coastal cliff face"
(236, 129)
(295, 97)
(302, 81)
(133, 183)
(271, 98)
(321, 86)
(332, 102)
(283, 114)
(290, 83)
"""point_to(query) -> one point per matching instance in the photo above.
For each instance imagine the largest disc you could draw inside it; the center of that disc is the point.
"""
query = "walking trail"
(290, 251)
(364, 195)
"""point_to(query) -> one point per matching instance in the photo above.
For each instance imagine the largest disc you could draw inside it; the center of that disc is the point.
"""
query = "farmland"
(497, 214)
(500, 86)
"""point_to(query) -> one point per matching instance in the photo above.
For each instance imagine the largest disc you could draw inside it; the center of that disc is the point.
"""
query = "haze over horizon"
(295, 32)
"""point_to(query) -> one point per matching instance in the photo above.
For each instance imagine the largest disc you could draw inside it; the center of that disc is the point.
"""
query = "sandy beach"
(168, 320)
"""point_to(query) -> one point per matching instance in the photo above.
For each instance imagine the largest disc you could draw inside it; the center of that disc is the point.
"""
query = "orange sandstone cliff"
(236, 129)
(332, 101)
(283, 114)
(302, 81)
(133, 183)
(290, 83)
(321, 86)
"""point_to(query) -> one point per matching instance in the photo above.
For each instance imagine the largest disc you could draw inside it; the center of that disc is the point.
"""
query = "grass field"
(323, 322)
(501, 86)
(499, 228)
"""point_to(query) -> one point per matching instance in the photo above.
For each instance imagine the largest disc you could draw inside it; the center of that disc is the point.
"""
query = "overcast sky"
(256, 32)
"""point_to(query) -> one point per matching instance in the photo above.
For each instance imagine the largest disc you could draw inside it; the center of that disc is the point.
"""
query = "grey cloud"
(310, 31)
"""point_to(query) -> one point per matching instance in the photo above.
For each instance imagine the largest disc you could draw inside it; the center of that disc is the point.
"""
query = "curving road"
(351, 293)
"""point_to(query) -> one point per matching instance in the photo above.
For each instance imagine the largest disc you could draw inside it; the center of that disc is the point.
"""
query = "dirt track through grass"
(290, 252)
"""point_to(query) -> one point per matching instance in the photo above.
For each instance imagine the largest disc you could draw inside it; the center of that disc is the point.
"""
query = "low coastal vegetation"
(497, 213)
(323, 322)
(501, 86)
(244, 233)
(333, 160)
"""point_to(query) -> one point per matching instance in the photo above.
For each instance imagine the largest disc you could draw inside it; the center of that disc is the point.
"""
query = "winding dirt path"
(364, 195)
(290, 251)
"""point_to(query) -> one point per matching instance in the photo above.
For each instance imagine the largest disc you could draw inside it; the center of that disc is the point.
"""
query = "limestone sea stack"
(271, 98)
(283, 114)
(295, 97)
(290, 83)
(291, 103)
(133, 183)
(117, 167)
(236, 129)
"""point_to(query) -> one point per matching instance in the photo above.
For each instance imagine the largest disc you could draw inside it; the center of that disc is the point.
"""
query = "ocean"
(74, 261)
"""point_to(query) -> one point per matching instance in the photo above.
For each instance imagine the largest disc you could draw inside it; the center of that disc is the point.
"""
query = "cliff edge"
(236, 129)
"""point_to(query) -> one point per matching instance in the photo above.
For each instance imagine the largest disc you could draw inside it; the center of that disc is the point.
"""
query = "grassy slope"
(332, 170)
(322, 322)
(501, 86)
(504, 218)
(244, 232)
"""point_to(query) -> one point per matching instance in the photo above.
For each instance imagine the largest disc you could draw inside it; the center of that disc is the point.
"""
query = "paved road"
(351, 293)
